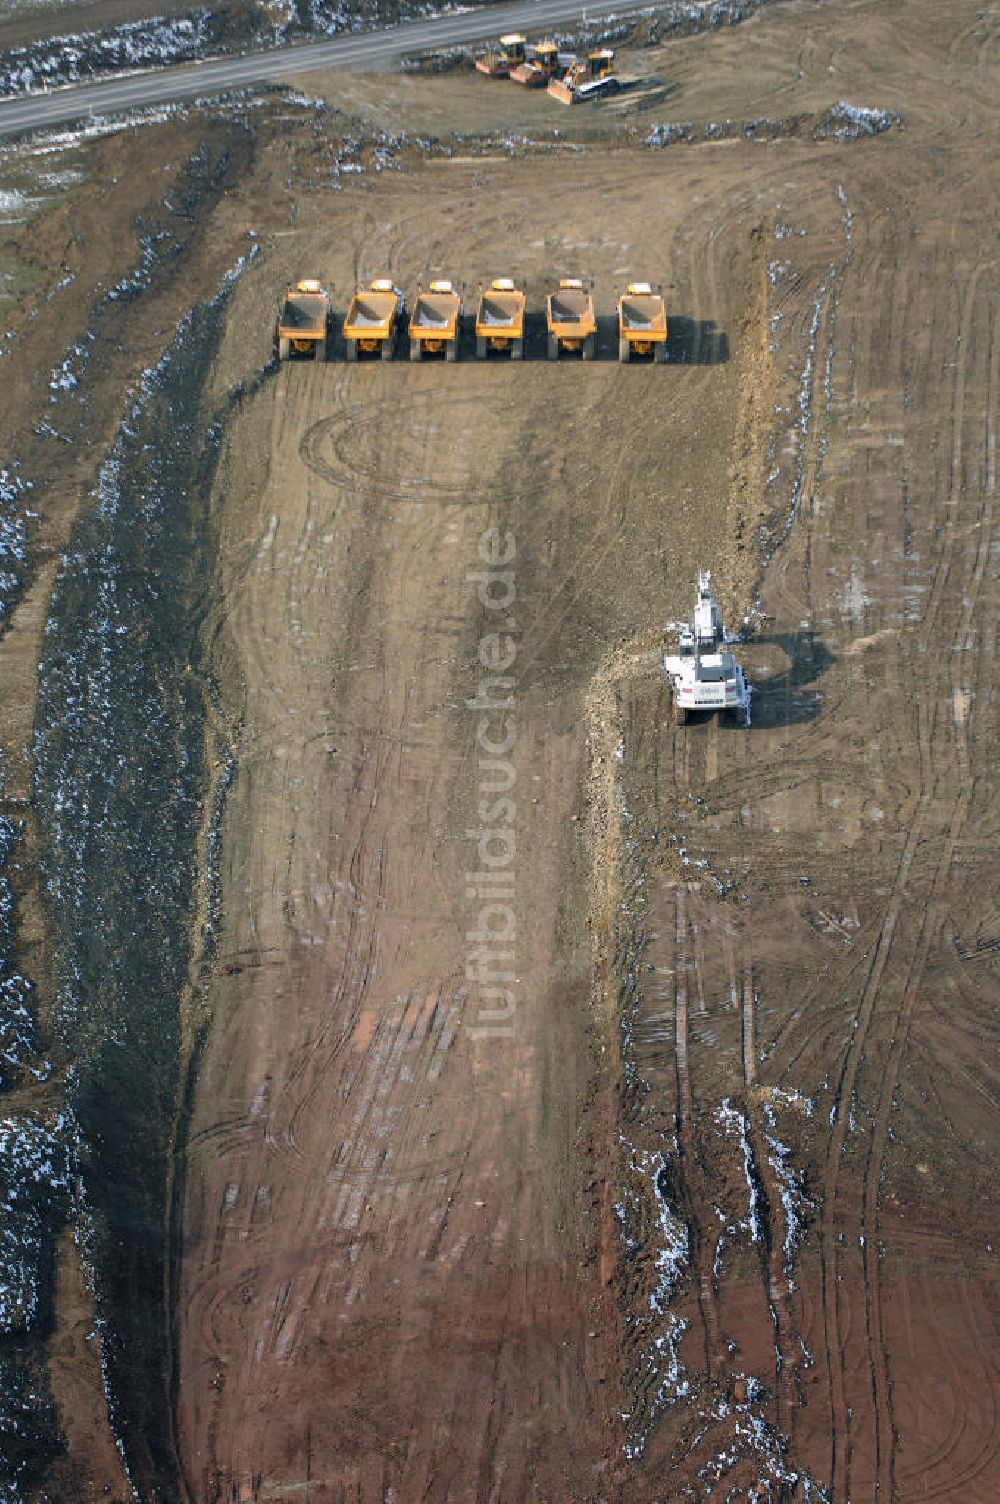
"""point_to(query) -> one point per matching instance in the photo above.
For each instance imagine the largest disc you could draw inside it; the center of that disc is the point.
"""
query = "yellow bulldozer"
(371, 325)
(539, 66)
(304, 320)
(586, 79)
(500, 320)
(642, 324)
(570, 319)
(436, 322)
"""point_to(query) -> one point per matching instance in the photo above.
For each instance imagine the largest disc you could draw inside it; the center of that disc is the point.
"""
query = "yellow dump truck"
(642, 323)
(585, 80)
(373, 319)
(569, 314)
(501, 60)
(436, 322)
(304, 320)
(500, 320)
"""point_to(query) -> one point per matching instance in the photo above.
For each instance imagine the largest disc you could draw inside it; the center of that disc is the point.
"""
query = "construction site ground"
(708, 1210)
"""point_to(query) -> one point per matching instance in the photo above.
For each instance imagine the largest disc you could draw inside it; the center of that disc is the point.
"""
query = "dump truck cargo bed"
(370, 312)
(304, 313)
(304, 320)
(435, 322)
(570, 319)
(372, 319)
(642, 323)
(571, 310)
(500, 319)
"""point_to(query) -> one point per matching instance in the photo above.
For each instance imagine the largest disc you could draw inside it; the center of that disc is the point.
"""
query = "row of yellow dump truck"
(375, 319)
(568, 78)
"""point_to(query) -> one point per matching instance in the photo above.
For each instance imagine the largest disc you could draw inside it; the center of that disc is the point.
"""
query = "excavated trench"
(124, 766)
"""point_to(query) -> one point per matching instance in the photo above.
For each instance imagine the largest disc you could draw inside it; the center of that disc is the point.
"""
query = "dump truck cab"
(371, 326)
(304, 320)
(642, 324)
(500, 320)
(435, 323)
(572, 325)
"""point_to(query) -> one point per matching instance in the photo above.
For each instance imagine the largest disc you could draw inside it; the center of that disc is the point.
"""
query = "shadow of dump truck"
(695, 342)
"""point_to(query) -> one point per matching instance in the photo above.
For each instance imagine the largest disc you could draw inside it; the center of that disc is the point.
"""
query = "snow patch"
(14, 518)
(853, 122)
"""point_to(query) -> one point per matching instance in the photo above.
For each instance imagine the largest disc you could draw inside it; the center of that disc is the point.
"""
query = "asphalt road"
(370, 50)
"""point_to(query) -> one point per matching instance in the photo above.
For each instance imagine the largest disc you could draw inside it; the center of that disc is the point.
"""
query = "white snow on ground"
(18, 1037)
(49, 143)
(39, 1184)
(840, 123)
(754, 1436)
(55, 182)
(657, 1376)
(673, 1251)
(159, 40)
(807, 421)
(732, 1120)
(34, 1179)
(14, 206)
(14, 518)
(660, 1377)
(851, 122)
(63, 379)
(791, 1188)
(86, 55)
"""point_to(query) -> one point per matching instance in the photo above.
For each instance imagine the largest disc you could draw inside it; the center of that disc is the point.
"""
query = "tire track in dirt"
(938, 1476)
(349, 1120)
(933, 911)
(845, 1092)
(697, 753)
(701, 1245)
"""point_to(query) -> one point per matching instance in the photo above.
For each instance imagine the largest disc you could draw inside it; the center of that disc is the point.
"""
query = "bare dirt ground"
(707, 1212)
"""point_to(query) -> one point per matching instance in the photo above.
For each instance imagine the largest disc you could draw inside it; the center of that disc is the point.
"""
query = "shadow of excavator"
(789, 695)
(782, 669)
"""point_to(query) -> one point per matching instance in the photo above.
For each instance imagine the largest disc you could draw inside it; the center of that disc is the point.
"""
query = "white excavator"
(703, 672)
